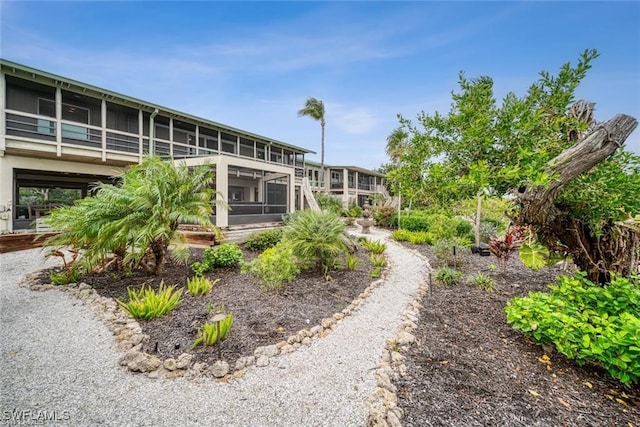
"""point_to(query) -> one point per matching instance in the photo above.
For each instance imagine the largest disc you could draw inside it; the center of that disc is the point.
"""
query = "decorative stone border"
(383, 404)
(129, 338)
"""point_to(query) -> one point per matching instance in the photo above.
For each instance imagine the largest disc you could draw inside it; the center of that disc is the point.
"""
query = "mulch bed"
(261, 317)
(470, 368)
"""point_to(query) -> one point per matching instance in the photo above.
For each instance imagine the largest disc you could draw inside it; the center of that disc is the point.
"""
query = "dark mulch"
(261, 317)
(470, 368)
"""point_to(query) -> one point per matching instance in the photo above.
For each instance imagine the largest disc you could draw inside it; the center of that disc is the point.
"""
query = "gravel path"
(57, 358)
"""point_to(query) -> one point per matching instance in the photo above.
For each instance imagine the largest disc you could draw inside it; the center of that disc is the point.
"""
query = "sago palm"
(316, 237)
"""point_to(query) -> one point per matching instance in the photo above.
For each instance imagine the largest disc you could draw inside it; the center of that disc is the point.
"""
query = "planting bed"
(469, 367)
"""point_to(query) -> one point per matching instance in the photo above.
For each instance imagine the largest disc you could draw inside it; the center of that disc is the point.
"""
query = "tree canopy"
(483, 145)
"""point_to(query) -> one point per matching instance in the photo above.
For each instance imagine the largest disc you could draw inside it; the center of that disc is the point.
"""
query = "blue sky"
(253, 65)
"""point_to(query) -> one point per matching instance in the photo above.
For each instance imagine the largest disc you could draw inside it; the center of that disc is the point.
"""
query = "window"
(276, 154)
(260, 151)
(246, 147)
(208, 138)
(229, 143)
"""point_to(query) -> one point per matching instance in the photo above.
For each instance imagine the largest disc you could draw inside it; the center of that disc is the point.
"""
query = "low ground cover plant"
(484, 282)
(212, 333)
(448, 276)
(145, 303)
(200, 285)
(373, 246)
(585, 322)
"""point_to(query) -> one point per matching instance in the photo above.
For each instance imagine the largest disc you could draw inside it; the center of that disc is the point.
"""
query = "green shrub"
(484, 282)
(224, 255)
(264, 239)
(329, 203)
(316, 238)
(448, 276)
(208, 334)
(64, 277)
(586, 322)
(354, 211)
(419, 237)
(401, 235)
(200, 285)
(373, 246)
(146, 304)
(351, 262)
(443, 250)
(385, 216)
(378, 260)
(415, 221)
(273, 267)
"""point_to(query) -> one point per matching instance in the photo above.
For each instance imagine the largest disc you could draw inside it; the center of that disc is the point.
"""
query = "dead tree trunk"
(617, 250)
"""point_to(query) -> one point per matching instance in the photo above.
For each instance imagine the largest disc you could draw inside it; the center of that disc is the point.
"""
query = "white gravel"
(58, 360)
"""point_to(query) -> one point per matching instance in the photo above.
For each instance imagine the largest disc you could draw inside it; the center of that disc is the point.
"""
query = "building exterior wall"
(50, 123)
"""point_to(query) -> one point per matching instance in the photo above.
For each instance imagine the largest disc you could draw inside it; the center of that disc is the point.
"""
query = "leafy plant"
(504, 248)
(484, 282)
(137, 219)
(375, 273)
(212, 333)
(64, 277)
(373, 246)
(351, 262)
(585, 322)
(448, 276)
(401, 235)
(273, 267)
(145, 303)
(378, 260)
(419, 237)
(264, 239)
(200, 285)
(222, 256)
(329, 203)
(316, 238)
(447, 251)
(354, 211)
(385, 216)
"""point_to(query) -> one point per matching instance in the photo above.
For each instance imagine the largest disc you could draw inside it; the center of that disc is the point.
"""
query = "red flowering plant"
(503, 248)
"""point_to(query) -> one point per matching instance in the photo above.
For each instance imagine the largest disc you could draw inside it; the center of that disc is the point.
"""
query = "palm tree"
(396, 144)
(314, 108)
(138, 218)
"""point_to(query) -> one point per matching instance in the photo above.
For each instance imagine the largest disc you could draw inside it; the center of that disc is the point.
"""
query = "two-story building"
(57, 136)
(353, 185)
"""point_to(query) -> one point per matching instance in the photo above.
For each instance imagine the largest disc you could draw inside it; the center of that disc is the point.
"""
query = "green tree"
(314, 108)
(572, 182)
(138, 219)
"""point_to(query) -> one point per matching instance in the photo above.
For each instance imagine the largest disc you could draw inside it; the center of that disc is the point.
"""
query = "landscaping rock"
(170, 364)
(184, 360)
(262, 361)
(219, 369)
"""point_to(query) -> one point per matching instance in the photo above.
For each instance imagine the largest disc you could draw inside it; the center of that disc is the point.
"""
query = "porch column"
(6, 194)
(222, 188)
(3, 116)
(58, 122)
(103, 119)
(345, 188)
(292, 193)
